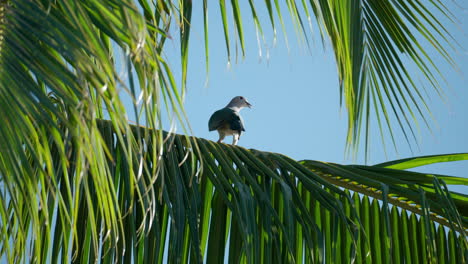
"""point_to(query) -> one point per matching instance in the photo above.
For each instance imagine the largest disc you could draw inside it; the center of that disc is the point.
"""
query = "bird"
(228, 120)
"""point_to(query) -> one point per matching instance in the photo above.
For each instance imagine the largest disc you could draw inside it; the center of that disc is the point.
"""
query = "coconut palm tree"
(80, 183)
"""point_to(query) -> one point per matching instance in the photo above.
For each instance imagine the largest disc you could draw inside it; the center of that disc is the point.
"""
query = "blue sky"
(296, 96)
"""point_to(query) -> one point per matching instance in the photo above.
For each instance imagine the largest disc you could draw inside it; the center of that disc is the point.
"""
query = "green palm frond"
(76, 188)
(246, 205)
(59, 72)
(420, 161)
(374, 42)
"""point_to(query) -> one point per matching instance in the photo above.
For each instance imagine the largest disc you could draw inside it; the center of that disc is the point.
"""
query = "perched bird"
(228, 121)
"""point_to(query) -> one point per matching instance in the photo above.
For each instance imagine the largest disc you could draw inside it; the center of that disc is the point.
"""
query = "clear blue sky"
(296, 96)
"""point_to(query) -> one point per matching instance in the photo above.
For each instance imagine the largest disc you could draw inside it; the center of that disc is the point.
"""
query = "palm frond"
(75, 188)
(246, 205)
(408, 163)
(375, 43)
(58, 74)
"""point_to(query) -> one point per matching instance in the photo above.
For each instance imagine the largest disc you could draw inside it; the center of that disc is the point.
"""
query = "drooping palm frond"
(375, 44)
(246, 205)
(63, 64)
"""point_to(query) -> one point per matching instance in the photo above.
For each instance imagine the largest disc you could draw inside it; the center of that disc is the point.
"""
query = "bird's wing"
(219, 118)
(226, 116)
(236, 123)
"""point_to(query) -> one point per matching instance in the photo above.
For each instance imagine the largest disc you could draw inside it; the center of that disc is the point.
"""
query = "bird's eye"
(242, 98)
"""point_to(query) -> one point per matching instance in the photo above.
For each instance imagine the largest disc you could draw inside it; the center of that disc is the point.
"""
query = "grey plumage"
(227, 121)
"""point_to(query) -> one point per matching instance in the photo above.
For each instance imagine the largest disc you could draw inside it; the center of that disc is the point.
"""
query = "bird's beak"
(248, 104)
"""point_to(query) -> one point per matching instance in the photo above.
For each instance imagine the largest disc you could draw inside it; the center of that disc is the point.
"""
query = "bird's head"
(239, 102)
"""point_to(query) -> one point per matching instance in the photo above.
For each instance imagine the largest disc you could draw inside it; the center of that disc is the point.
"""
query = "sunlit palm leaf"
(421, 161)
(58, 73)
